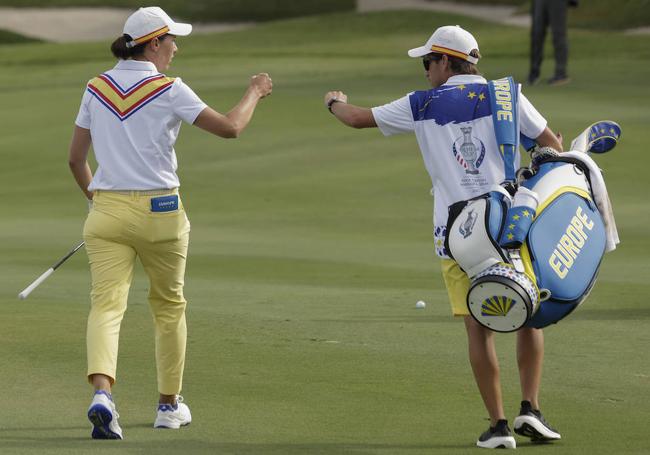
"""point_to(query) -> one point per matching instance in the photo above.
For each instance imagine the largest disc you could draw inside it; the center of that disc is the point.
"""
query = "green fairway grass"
(208, 10)
(591, 14)
(311, 243)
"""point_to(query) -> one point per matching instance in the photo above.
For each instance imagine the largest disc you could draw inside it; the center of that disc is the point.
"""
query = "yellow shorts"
(457, 283)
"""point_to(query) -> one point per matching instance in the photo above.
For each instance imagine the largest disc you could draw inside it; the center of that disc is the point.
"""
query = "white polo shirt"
(454, 129)
(134, 114)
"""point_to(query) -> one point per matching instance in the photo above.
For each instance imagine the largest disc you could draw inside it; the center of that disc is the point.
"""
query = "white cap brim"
(419, 52)
(179, 29)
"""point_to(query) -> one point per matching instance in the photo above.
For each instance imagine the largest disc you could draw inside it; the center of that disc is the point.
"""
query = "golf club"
(28, 290)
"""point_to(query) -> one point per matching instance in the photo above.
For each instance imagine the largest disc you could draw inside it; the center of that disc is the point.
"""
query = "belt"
(140, 192)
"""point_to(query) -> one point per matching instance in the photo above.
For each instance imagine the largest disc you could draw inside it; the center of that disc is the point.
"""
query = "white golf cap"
(451, 40)
(148, 23)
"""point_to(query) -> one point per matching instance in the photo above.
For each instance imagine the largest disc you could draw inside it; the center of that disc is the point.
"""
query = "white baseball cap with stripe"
(451, 40)
(151, 22)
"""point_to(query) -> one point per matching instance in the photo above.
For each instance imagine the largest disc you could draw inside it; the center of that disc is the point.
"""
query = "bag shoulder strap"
(504, 94)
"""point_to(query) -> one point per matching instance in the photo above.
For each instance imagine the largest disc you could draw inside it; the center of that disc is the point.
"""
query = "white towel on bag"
(601, 197)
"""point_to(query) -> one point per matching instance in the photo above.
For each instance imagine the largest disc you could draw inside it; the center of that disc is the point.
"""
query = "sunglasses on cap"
(427, 59)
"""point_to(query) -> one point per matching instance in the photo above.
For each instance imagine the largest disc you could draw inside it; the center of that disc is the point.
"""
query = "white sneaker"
(103, 416)
(173, 416)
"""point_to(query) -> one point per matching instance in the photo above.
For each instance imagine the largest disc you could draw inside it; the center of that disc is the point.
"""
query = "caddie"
(131, 115)
(455, 131)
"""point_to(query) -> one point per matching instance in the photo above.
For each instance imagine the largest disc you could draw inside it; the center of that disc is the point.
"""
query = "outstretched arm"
(349, 114)
(233, 123)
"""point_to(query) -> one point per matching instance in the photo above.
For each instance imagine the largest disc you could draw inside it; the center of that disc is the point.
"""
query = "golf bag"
(533, 253)
(530, 266)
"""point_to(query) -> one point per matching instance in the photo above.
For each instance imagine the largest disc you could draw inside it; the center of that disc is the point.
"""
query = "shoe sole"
(101, 417)
(534, 429)
(166, 427)
(500, 442)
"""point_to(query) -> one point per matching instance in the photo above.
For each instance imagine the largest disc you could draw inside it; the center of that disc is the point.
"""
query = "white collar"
(135, 65)
(465, 79)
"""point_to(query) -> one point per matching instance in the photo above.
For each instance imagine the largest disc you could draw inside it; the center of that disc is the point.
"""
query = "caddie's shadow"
(417, 318)
(533, 444)
(610, 314)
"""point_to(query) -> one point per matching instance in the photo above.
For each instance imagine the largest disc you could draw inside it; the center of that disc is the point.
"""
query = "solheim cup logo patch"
(497, 306)
(469, 151)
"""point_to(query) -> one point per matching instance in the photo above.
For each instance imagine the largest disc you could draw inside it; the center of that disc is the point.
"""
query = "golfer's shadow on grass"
(417, 317)
(13, 437)
(40, 429)
(334, 448)
(35, 439)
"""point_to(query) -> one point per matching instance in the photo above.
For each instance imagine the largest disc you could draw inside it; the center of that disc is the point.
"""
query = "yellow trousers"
(120, 227)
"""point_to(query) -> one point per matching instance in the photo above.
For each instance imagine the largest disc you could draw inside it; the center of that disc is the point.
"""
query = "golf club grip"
(28, 290)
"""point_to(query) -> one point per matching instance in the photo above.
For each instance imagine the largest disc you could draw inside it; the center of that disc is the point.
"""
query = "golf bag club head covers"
(519, 218)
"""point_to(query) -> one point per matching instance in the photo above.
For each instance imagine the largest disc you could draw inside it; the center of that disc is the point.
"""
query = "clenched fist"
(262, 84)
(337, 95)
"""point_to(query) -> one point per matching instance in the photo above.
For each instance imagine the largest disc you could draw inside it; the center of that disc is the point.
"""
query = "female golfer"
(131, 114)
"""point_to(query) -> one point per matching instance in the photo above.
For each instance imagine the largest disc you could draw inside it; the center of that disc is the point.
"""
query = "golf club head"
(600, 137)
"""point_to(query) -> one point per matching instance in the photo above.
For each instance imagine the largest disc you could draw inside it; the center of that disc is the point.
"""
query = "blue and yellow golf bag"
(533, 253)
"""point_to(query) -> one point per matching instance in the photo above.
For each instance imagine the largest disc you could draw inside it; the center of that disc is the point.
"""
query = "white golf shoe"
(173, 416)
(103, 416)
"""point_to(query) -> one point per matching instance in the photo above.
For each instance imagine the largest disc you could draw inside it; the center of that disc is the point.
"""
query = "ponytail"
(119, 49)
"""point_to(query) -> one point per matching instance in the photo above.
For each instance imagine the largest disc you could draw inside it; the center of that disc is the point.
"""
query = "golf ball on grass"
(420, 304)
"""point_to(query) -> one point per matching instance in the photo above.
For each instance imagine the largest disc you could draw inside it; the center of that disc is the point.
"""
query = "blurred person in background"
(553, 13)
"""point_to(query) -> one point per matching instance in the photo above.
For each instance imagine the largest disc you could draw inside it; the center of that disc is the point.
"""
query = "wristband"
(332, 101)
